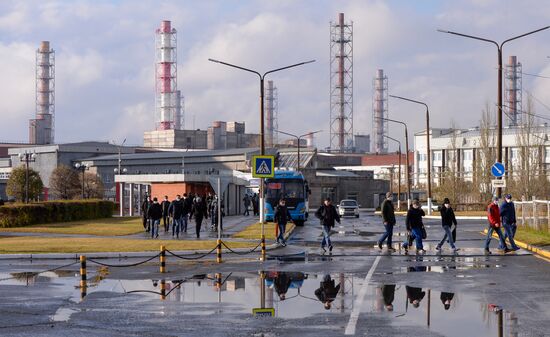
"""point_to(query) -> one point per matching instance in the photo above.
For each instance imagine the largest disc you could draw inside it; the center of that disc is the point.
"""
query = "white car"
(348, 207)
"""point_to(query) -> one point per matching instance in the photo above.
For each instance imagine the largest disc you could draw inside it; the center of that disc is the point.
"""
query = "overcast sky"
(105, 61)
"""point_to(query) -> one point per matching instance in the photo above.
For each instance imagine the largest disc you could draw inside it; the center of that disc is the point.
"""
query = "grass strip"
(35, 245)
(100, 227)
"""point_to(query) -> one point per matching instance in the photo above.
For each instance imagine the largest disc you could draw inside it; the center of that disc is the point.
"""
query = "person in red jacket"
(493, 216)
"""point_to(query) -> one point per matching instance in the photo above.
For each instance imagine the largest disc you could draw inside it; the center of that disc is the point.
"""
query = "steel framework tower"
(271, 120)
(513, 90)
(341, 85)
(41, 129)
(380, 110)
(165, 77)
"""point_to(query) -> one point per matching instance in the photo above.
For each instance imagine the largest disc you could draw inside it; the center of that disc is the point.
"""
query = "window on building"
(328, 192)
(468, 155)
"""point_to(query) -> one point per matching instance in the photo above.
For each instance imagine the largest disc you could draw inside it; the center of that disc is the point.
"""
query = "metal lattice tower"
(341, 85)
(179, 119)
(41, 129)
(380, 110)
(165, 77)
(513, 90)
(272, 104)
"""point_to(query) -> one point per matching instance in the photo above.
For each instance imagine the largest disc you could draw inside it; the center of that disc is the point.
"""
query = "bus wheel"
(299, 222)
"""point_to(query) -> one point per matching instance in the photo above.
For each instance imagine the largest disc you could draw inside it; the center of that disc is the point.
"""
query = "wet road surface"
(371, 292)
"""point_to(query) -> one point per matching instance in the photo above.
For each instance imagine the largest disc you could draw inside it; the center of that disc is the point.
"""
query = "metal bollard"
(162, 289)
(262, 258)
(219, 251)
(162, 259)
(83, 277)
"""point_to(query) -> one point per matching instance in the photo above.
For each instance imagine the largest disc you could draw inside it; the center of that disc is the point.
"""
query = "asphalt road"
(497, 295)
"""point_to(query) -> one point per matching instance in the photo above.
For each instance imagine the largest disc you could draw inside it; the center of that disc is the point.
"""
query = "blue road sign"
(263, 166)
(498, 169)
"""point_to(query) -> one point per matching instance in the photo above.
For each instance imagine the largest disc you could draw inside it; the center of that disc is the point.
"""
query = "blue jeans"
(155, 227)
(282, 231)
(176, 226)
(326, 237)
(448, 236)
(510, 232)
(490, 235)
(416, 234)
(387, 235)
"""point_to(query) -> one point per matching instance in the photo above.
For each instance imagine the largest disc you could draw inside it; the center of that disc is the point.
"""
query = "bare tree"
(93, 186)
(485, 155)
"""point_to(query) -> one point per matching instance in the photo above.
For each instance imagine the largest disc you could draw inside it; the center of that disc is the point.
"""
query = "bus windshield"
(288, 189)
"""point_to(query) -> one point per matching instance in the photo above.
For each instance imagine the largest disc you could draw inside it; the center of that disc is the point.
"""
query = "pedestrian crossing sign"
(263, 166)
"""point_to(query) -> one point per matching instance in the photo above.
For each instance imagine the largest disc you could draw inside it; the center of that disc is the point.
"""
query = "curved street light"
(298, 138)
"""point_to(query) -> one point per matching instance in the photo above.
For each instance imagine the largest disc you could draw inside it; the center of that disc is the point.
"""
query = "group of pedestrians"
(254, 201)
(415, 295)
(497, 216)
(178, 212)
(326, 293)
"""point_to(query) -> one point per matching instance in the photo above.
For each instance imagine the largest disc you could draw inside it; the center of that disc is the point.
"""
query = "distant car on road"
(435, 206)
(348, 207)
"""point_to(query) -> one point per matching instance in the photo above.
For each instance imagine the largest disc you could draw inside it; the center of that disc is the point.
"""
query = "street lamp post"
(407, 157)
(398, 172)
(82, 168)
(262, 141)
(499, 83)
(27, 157)
(298, 139)
(428, 150)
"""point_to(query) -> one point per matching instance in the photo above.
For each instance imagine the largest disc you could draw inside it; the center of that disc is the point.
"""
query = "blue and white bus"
(293, 187)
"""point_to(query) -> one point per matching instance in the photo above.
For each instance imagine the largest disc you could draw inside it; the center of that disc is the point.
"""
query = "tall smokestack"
(341, 85)
(513, 91)
(380, 110)
(165, 77)
(41, 129)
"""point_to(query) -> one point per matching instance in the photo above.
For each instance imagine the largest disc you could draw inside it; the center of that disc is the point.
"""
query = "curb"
(526, 246)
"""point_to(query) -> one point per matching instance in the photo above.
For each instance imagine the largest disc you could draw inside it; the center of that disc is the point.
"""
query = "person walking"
(281, 283)
(328, 215)
(327, 291)
(187, 209)
(447, 220)
(493, 217)
(415, 295)
(176, 208)
(155, 214)
(165, 215)
(508, 215)
(388, 217)
(415, 227)
(145, 211)
(246, 202)
(214, 214)
(200, 212)
(255, 204)
(281, 217)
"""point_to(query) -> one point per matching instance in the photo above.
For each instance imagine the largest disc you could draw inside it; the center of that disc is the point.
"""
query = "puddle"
(295, 295)
(441, 312)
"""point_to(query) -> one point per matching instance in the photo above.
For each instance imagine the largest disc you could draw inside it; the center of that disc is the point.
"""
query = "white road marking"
(354, 316)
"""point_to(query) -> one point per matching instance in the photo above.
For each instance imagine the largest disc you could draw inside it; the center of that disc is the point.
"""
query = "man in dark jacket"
(281, 283)
(176, 209)
(388, 294)
(508, 215)
(200, 212)
(388, 217)
(187, 209)
(447, 220)
(415, 226)
(165, 215)
(281, 217)
(415, 295)
(155, 214)
(145, 211)
(446, 299)
(328, 215)
(327, 291)
(246, 202)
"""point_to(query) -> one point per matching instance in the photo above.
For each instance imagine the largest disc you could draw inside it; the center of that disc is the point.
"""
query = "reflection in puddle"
(294, 295)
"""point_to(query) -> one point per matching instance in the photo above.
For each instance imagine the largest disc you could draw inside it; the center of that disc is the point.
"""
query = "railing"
(534, 214)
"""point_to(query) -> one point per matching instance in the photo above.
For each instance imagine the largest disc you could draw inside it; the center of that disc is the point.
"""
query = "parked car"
(348, 207)
(435, 206)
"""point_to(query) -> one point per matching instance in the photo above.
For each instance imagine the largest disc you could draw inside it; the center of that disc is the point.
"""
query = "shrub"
(18, 215)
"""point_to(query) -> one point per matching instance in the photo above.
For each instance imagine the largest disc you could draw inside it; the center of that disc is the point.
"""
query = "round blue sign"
(498, 170)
